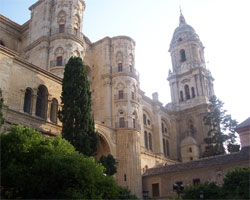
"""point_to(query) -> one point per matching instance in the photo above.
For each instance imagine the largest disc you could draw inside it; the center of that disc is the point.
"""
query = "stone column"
(157, 134)
(22, 95)
(34, 97)
(49, 108)
(129, 156)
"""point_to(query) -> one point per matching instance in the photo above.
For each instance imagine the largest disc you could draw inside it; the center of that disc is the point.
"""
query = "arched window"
(164, 147)
(144, 119)
(167, 148)
(183, 55)
(119, 67)
(59, 52)
(41, 101)
(150, 141)
(146, 139)
(54, 110)
(164, 129)
(121, 122)
(59, 61)
(61, 20)
(27, 101)
(193, 92)
(181, 96)
(120, 94)
(187, 93)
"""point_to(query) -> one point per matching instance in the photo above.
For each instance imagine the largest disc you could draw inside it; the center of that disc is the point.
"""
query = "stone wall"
(211, 169)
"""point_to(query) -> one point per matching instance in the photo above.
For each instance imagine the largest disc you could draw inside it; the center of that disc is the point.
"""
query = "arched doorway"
(103, 148)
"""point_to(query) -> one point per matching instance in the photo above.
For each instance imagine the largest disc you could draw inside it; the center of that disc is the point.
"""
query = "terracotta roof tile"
(244, 124)
(243, 155)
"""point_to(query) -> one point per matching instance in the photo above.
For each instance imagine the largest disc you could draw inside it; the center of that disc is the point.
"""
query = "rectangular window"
(120, 67)
(164, 147)
(144, 119)
(61, 28)
(155, 190)
(133, 123)
(120, 94)
(122, 122)
(196, 181)
(133, 95)
(131, 68)
(59, 61)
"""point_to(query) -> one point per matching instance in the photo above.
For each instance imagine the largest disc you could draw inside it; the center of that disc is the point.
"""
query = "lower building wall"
(189, 177)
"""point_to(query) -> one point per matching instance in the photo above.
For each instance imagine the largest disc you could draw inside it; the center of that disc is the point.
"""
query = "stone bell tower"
(55, 34)
(191, 87)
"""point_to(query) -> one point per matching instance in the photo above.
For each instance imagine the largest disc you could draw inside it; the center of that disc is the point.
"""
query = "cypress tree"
(76, 114)
(1, 107)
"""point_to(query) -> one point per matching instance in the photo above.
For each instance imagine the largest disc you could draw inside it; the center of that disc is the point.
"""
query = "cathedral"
(140, 132)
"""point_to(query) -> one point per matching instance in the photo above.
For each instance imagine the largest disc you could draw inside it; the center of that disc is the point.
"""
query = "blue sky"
(223, 27)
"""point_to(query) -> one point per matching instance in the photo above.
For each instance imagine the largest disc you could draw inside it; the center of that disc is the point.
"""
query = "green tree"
(78, 124)
(36, 167)
(109, 163)
(221, 129)
(1, 107)
(236, 184)
(125, 193)
(210, 191)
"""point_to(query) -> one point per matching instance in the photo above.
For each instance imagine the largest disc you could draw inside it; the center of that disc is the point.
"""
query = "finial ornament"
(182, 19)
(180, 10)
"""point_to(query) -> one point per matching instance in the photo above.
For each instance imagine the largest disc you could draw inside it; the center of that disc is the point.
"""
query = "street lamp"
(178, 189)
(145, 194)
(201, 194)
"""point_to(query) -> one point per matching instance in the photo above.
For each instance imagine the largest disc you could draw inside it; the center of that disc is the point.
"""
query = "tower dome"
(184, 32)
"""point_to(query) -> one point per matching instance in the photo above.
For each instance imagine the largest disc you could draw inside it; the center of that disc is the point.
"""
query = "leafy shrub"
(236, 184)
(36, 167)
(210, 190)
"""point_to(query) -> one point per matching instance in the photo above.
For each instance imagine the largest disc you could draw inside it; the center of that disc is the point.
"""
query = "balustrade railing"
(69, 31)
(125, 124)
(125, 69)
(57, 63)
(123, 96)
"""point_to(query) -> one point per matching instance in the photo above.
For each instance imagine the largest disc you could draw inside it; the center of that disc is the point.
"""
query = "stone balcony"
(67, 31)
(125, 124)
(125, 71)
(123, 97)
(55, 63)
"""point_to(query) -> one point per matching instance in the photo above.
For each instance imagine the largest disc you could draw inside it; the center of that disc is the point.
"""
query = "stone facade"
(211, 169)
(138, 131)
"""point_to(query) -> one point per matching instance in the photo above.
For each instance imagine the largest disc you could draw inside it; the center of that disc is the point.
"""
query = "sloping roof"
(244, 124)
(243, 155)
